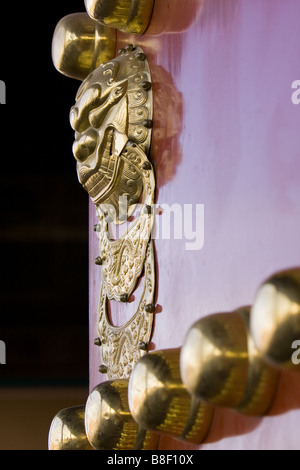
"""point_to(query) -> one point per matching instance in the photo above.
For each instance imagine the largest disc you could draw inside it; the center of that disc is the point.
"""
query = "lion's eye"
(89, 99)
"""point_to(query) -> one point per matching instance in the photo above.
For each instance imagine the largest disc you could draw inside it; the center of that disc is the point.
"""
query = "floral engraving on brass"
(123, 259)
(112, 119)
(120, 345)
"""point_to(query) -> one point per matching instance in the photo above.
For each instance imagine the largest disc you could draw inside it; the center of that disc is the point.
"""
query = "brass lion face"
(113, 108)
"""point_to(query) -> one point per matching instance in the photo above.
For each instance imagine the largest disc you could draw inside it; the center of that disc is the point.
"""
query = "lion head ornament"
(112, 120)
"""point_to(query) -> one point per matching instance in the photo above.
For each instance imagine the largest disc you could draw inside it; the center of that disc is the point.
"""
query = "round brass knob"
(80, 45)
(130, 16)
(67, 431)
(275, 319)
(159, 401)
(220, 364)
(108, 422)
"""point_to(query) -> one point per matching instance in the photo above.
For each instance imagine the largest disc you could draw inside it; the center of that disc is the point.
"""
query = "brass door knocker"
(112, 119)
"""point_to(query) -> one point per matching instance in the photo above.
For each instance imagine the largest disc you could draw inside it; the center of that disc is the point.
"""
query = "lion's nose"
(85, 146)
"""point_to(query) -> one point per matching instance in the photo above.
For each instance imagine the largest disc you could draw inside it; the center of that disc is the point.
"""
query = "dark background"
(44, 210)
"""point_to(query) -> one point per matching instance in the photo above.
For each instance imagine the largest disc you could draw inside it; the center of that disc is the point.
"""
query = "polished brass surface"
(80, 45)
(120, 345)
(159, 401)
(110, 113)
(213, 360)
(67, 430)
(262, 378)
(220, 364)
(275, 318)
(123, 260)
(130, 16)
(108, 422)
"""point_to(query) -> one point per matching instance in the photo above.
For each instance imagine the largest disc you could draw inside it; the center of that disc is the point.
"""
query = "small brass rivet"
(148, 209)
(150, 308)
(148, 123)
(97, 342)
(123, 298)
(98, 261)
(143, 346)
(146, 85)
(146, 166)
(103, 369)
(141, 56)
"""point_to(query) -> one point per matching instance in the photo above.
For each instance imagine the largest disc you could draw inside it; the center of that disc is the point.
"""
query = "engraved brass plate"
(130, 16)
(112, 119)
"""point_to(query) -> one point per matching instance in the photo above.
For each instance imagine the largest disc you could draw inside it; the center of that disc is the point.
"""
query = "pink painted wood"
(226, 135)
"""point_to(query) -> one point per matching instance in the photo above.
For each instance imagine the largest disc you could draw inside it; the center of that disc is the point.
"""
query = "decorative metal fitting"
(159, 401)
(150, 308)
(146, 166)
(143, 346)
(108, 422)
(146, 85)
(148, 123)
(124, 298)
(148, 210)
(103, 369)
(130, 16)
(97, 342)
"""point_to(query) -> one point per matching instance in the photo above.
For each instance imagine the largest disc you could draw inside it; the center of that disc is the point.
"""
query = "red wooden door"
(226, 138)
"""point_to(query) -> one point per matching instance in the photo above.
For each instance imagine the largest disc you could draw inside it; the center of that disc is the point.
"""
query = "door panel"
(226, 138)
